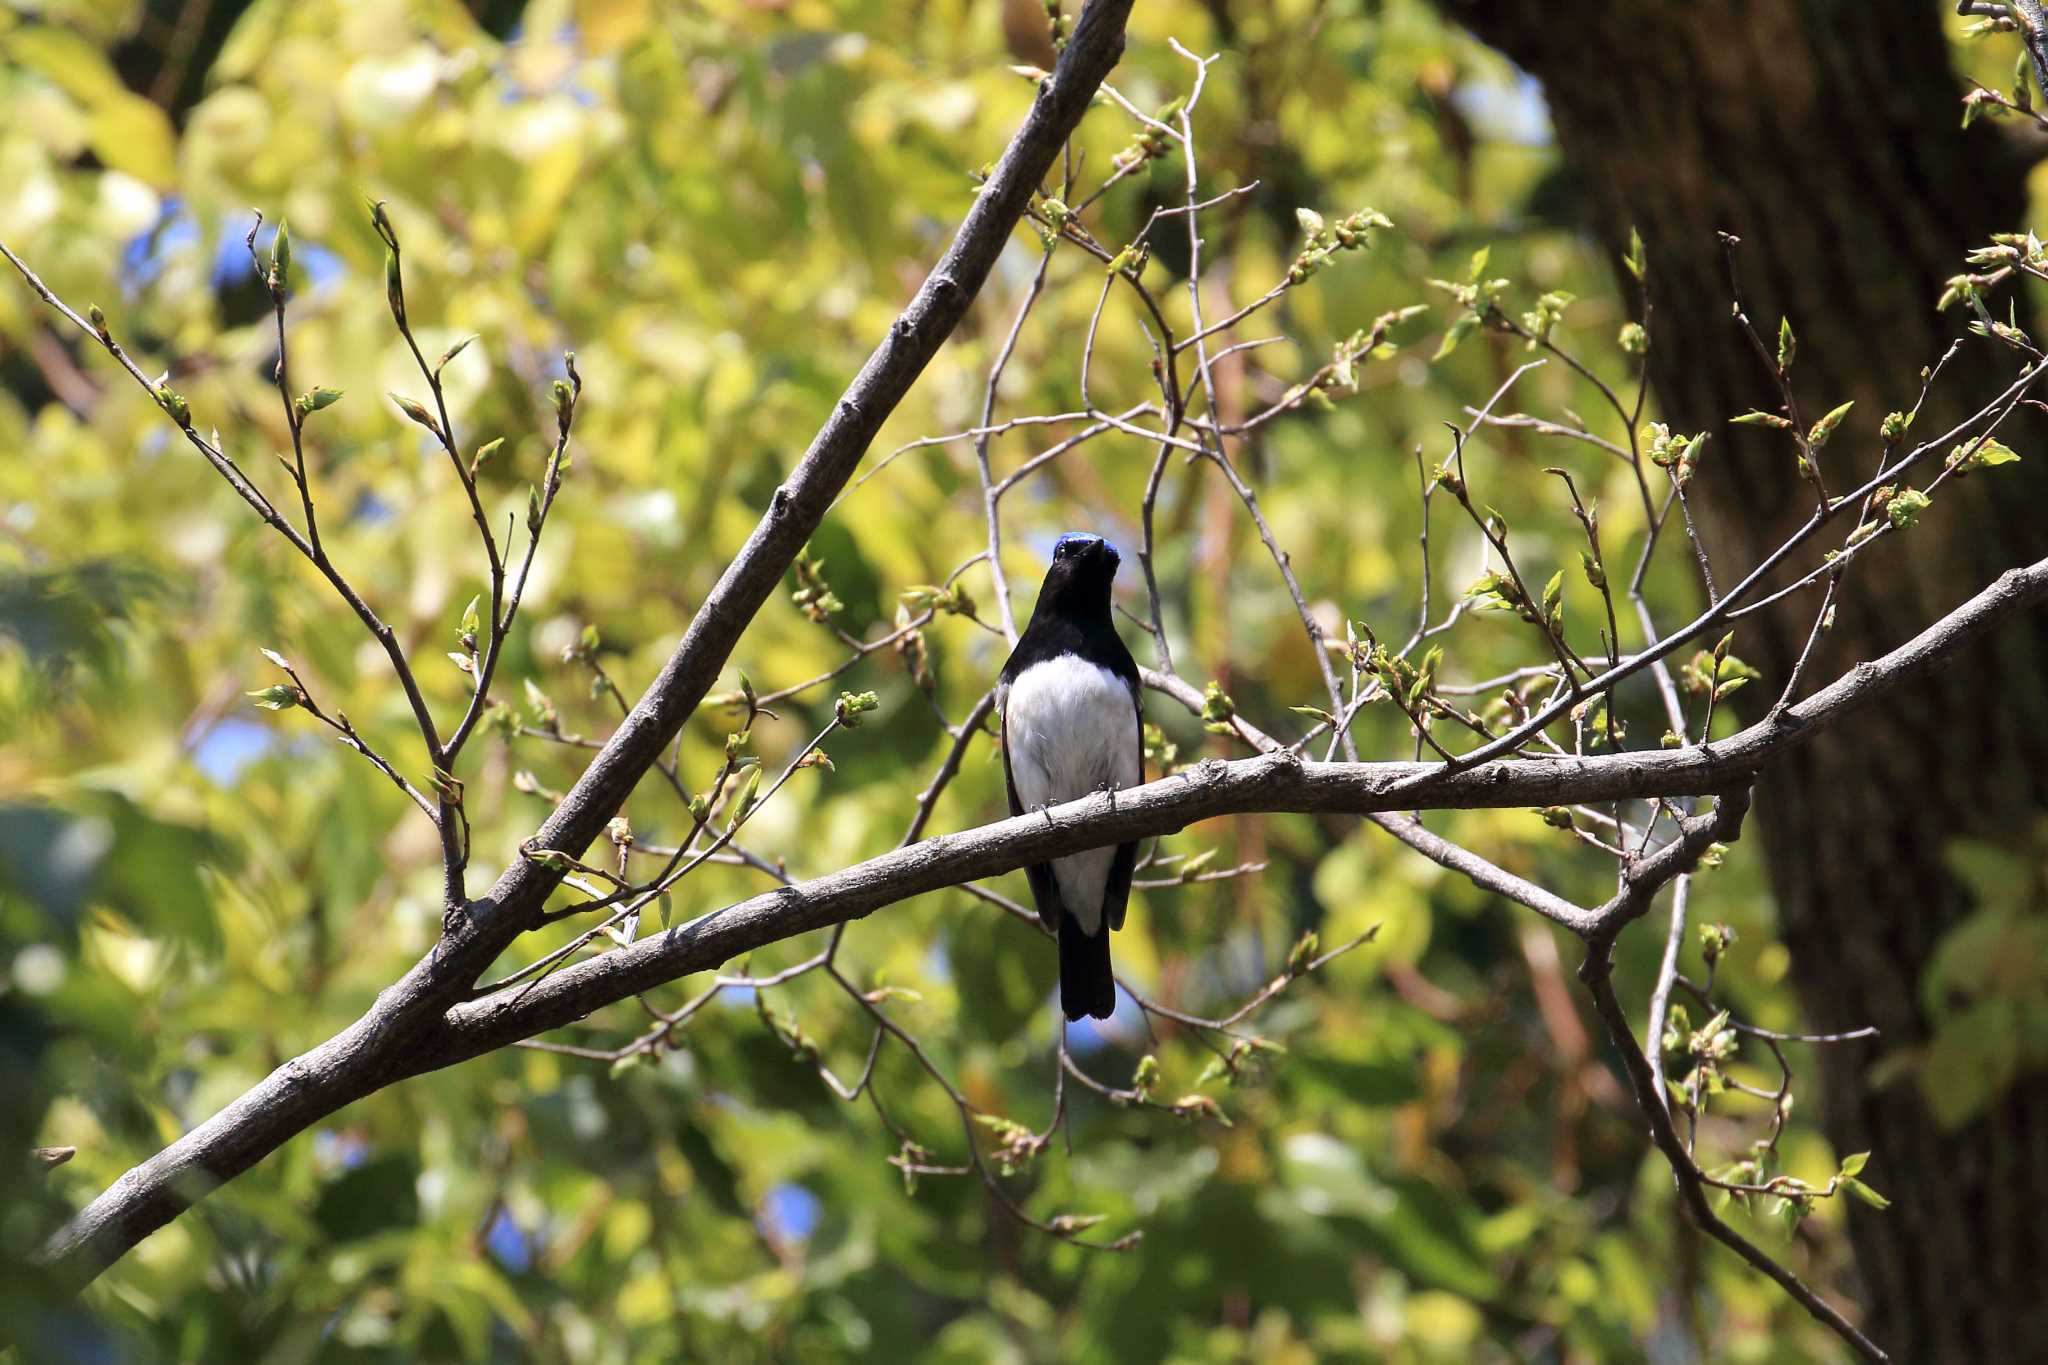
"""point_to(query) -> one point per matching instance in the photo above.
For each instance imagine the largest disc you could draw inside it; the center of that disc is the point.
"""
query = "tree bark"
(1825, 133)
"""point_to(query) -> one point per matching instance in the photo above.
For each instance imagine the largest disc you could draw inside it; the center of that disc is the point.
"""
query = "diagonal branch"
(1691, 1187)
(800, 502)
(387, 1040)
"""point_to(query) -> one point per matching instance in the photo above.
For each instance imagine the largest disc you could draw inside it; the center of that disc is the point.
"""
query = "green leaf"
(417, 412)
(173, 402)
(453, 351)
(1905, 507)
(1636, 260)
(1988, 454)
(852, 707)
(1465, 326)
(1788, 344)
(1825, 427)
(131, 133)
(313, 400)
(1866, 1194)
(277, 697)
(1853, 1164)
(1975, 1054)
(749, 794)
(1304, 953)
(377, 1196)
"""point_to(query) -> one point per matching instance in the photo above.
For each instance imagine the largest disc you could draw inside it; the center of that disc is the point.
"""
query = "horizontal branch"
(1406, 828)
(1272, 782)
(1269, 783)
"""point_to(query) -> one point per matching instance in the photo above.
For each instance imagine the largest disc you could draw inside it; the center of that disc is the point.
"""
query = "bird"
(1072, 724)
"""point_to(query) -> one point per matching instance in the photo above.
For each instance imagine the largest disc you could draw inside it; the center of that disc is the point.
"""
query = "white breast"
(1072, 729)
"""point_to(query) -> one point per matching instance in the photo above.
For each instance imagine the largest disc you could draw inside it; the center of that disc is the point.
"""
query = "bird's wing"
(1116, 894)
(1044, 889)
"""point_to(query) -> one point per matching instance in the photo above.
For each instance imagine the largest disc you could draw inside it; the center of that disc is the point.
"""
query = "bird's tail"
(1087, 986)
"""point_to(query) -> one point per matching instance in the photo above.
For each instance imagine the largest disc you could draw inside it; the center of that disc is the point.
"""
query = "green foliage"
(1904, 507)
(1987, 985)
(1825, 427)
(1988, 453)
(721, 209)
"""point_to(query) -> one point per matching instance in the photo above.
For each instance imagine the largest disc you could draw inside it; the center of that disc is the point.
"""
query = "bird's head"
(1087, 548)
(1083, 567)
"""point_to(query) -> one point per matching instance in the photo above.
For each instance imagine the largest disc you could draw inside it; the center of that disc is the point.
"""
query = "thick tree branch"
(1279, 781)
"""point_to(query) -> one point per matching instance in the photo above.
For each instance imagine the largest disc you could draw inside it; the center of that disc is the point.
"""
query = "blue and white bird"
(1068, 698)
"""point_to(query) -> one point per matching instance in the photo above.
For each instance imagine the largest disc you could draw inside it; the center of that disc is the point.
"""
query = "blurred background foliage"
(720, 207)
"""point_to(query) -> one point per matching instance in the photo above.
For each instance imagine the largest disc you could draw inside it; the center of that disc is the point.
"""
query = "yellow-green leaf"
(129, 133)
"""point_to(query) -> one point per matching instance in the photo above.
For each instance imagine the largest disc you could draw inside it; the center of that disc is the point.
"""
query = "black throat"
(1072, 616)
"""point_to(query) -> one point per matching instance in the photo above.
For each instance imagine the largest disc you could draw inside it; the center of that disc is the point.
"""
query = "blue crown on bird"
(1080, 542)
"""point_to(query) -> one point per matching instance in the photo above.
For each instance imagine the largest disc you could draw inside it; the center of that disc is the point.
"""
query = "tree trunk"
(1825, 133)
